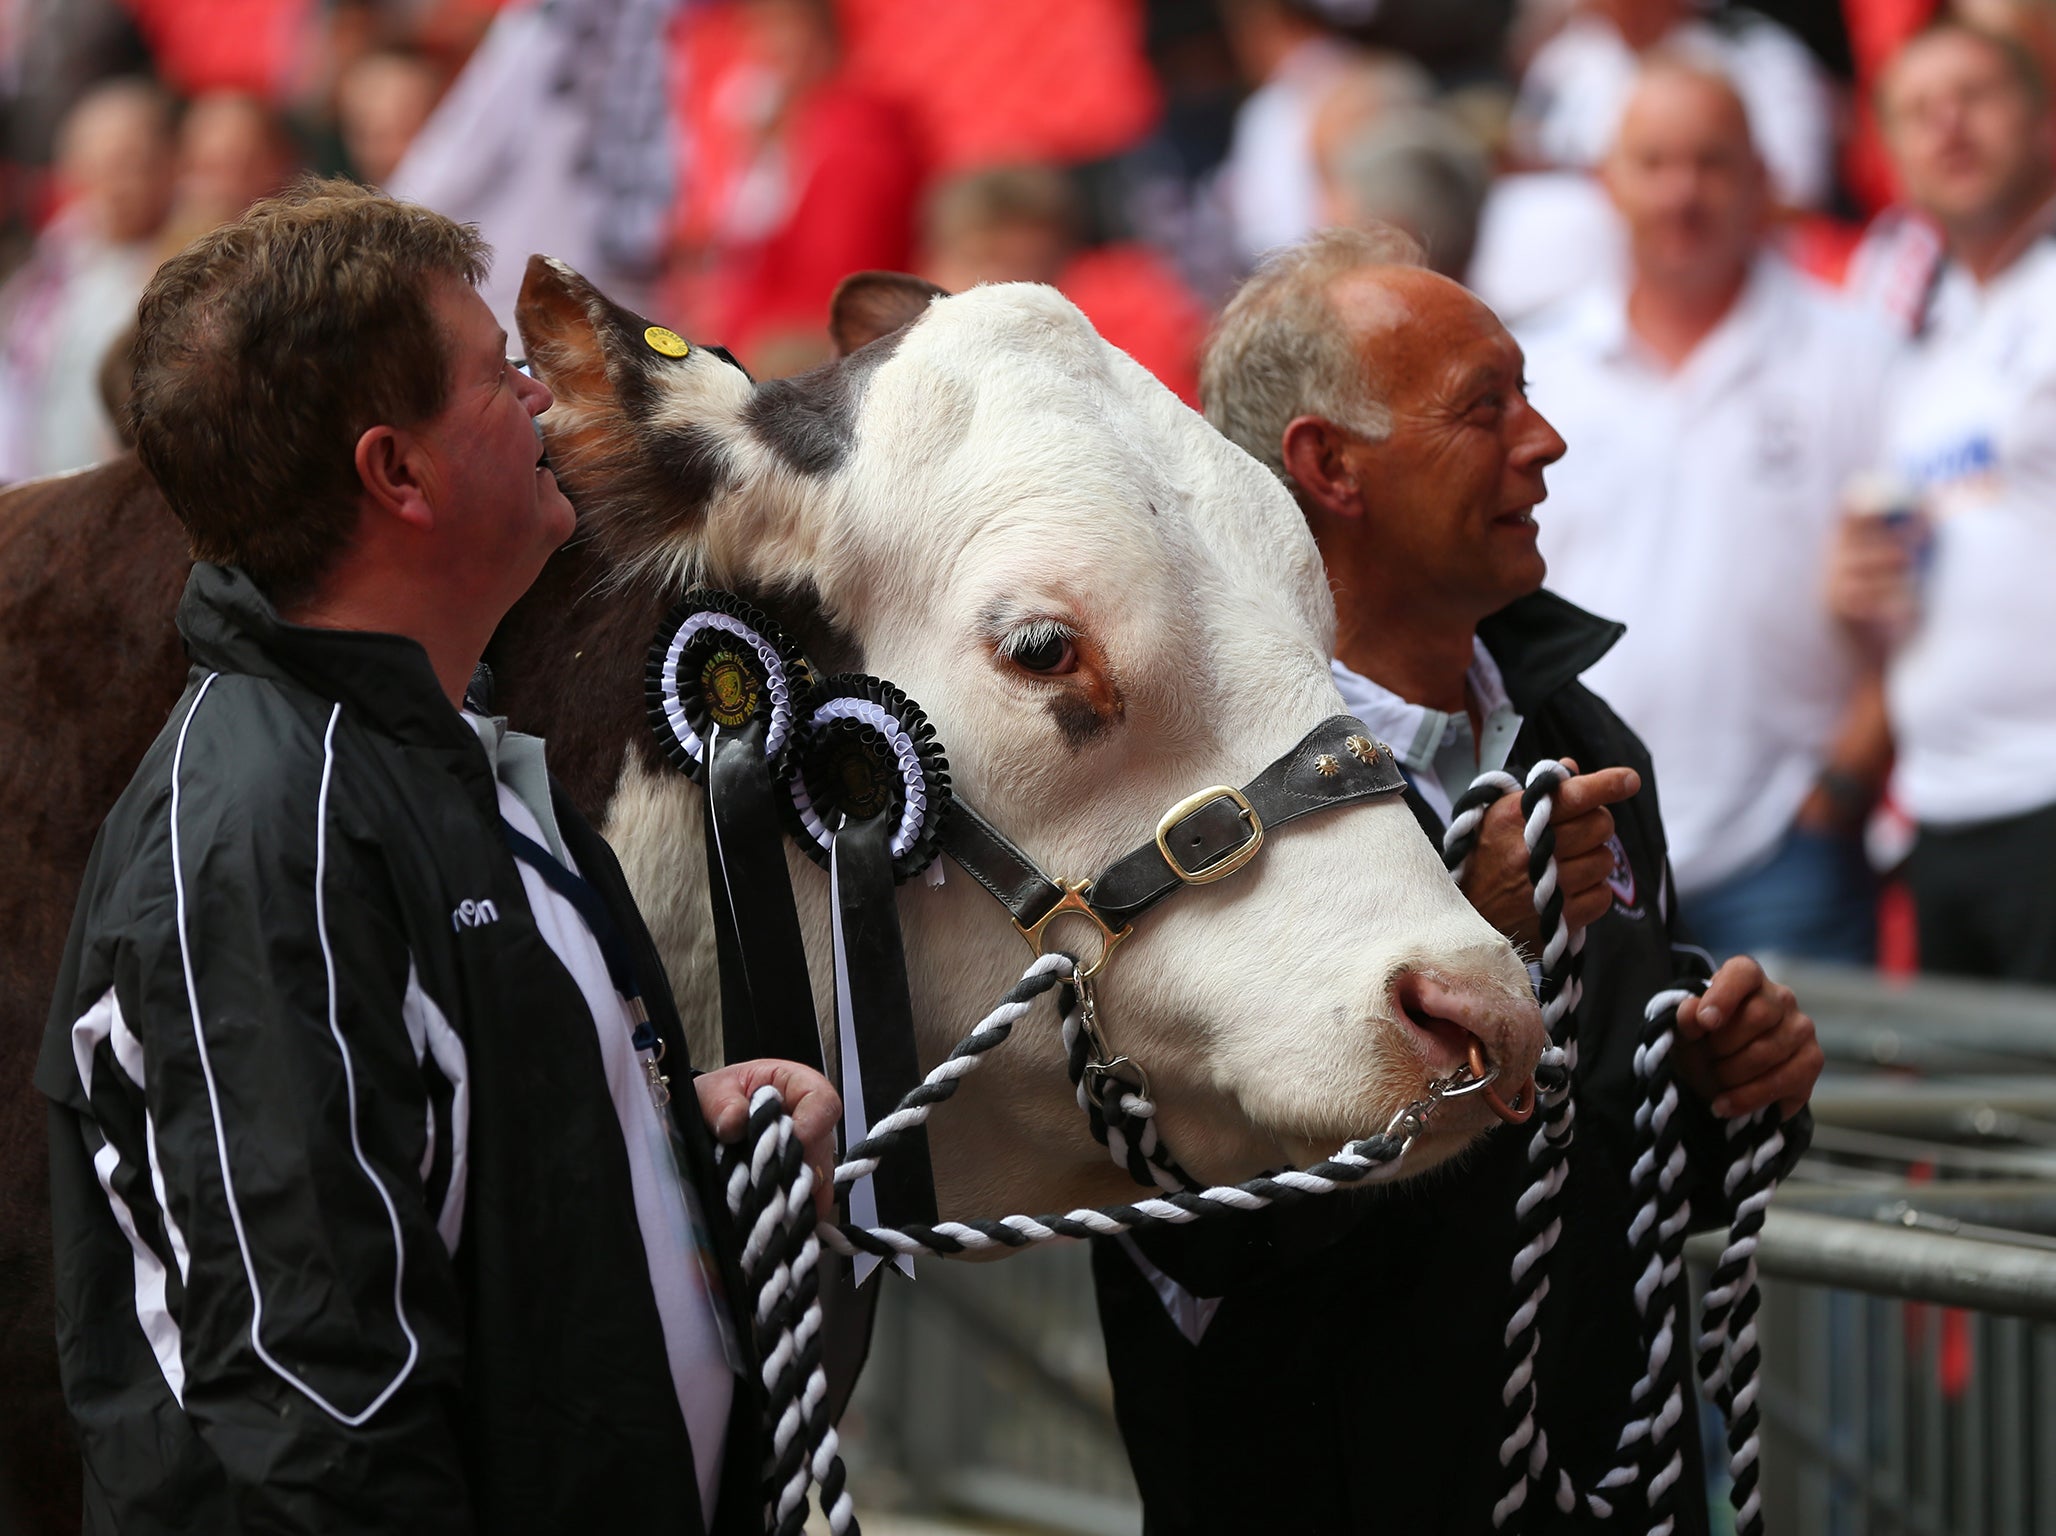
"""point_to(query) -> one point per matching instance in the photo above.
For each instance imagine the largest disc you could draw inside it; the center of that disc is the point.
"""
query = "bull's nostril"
(1440, 1017)
(1418, 1016)
(1418, 1001)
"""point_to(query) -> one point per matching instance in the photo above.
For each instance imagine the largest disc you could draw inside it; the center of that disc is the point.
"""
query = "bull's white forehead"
(1003, 405)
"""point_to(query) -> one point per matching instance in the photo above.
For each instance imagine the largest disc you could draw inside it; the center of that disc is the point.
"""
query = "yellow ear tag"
(670, 343)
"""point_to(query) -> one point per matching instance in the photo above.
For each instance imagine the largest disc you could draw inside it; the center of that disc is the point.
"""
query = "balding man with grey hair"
(1339, 1366)
(1718, 406)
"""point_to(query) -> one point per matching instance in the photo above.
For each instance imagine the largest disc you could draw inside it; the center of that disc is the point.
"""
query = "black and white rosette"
(866, 790)
(721, 686)
(719, 663)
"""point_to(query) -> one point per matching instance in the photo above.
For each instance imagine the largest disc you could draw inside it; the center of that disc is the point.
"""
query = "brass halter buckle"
(1226, 865)
(1074, 901)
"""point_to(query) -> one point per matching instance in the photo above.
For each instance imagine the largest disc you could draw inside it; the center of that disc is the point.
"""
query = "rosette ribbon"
(721, 687)
(868, 787)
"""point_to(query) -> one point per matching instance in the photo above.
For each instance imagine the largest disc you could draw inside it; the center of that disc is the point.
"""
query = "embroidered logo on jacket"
(471, 914)
(1621, 878)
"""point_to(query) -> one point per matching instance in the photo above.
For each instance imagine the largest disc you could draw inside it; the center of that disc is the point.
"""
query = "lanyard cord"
(579, 891)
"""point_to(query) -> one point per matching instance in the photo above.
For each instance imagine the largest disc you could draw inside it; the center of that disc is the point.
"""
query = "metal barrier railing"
(1910, 1267)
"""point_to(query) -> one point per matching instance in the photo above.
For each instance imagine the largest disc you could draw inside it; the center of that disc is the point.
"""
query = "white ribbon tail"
(863, 1193)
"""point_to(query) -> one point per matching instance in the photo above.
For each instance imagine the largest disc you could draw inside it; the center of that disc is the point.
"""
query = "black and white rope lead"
(770, 1193)
(1651, 1443)
(1370, 1159)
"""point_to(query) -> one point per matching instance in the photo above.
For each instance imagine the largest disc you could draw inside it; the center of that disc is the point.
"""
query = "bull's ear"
(641, 432)
(868, 305)
(565, 326)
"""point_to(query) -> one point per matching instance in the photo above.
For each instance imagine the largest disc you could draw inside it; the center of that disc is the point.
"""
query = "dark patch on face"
(688, 463)
(1078, 722)
(810, 420)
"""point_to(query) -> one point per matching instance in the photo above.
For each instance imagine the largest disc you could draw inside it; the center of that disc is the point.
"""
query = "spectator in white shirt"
(1717, 407)
(1576, 88)
(1550, 229)
(76, 294)
(1958, 593)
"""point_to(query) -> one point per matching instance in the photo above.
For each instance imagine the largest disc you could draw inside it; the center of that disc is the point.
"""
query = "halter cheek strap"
(1203, 838)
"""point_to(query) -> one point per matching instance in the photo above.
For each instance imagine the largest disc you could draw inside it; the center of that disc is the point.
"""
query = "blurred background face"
(1687, 181)
(794, 39)
(114, 158)
(1006, 224)
(231, 152)
(381, 102)
(1969, 140)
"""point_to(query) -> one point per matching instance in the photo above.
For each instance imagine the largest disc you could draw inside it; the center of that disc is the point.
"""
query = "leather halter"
(1202, 838)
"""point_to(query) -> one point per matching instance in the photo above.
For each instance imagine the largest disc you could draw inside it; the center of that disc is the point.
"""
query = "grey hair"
(1280, 351)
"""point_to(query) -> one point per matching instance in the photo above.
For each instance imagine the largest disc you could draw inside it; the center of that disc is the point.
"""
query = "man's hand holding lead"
(809, 1097)
(1497, 883)
(1744, 1043)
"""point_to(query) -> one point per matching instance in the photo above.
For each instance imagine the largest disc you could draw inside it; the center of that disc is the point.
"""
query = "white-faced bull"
(1102, 607)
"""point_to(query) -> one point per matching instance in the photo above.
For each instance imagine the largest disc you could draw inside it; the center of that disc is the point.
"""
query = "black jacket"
(305, 1017)
(1350, 1379)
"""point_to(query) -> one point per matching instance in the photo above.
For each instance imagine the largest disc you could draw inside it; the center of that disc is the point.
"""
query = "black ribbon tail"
(882, 1013)
(747, 866)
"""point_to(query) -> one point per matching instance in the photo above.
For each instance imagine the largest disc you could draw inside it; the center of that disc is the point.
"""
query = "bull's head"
(1102, 605)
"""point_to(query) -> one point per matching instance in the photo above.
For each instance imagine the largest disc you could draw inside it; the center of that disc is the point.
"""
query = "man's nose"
(533, 392)
(1536, 443)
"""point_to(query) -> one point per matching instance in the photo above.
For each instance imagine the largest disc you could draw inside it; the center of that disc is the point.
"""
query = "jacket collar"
(1542, 644)
(230, 626)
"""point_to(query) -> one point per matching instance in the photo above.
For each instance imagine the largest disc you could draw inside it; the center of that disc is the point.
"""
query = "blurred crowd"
(1784, 274)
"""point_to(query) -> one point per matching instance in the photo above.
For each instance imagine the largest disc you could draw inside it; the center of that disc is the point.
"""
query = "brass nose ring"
(1522, 1109)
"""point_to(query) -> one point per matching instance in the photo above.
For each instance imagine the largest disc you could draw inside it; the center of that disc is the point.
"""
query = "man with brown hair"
(373, 1211)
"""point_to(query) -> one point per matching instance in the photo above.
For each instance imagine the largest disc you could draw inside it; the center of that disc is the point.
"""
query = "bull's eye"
(1044, 648)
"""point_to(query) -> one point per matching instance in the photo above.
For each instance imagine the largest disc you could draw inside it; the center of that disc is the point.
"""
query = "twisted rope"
(1524, 1445)
(1653, 1435)
(1363, 1161)
(1652, 1439)
(1122, 1118)
(771, 1196)
(1729, 1356)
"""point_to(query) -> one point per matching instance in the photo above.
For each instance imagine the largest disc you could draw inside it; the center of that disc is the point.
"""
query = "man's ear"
(1312, 453)
(390, 471)
(868, 305)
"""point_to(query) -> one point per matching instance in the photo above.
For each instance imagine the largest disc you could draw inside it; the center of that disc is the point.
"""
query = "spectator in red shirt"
(1022, 224)
(825, 183)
